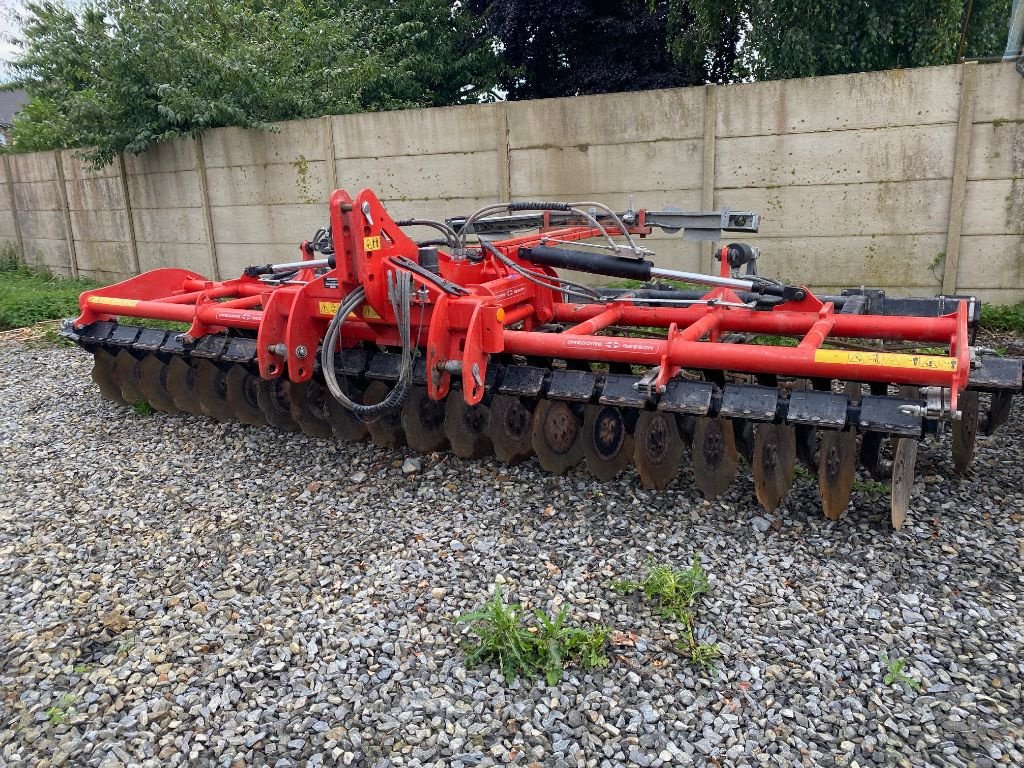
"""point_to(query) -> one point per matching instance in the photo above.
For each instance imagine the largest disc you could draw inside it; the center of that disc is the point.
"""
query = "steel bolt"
(301, 352)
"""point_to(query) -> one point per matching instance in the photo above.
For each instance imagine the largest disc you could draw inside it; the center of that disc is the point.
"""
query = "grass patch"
(870, 487)
(56, 714)
(544, 646)
(1003, 317)
(29, 295)
(674, 591)
(896, 675)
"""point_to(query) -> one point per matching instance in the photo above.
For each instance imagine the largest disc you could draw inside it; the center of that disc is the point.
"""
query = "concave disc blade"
(714, 455)
(423, 421)
(509, 429)
(773, 463)
(658, 448)
(212, 390)
(309, 408)
(385, 430)
(556, 434)
(103, 375)
(346, 425)
(242, 392)
(153, 384)
(836, 470)
(181, 384)
(965, 432)
(607, 444)
(274, 397)
(467, 427)
(743, 433)
(871, 457)
(126, 376)
(998, 411)
(904, 459)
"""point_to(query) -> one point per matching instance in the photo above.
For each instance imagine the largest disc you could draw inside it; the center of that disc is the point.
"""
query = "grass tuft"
(996, 317)
(29, 295)
(896, 675)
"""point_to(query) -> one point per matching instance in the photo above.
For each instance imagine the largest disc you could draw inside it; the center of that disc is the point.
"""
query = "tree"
(797, 38)
(120, 75)
(595, 46)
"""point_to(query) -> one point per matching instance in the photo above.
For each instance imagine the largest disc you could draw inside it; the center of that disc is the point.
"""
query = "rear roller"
(773, 463)
(836, 470)
(659, 448)
(309, 408)
(714, 456)
(606, 442)
(242, 392)
(467, 427)
(346, 425)
(274, 397)
(509, 429)
(211, 389)
(385, 430)
(965, 432)
(153, 384)
(557, 436)
(126, 376)
(103, 375)
(904, 459)
(423, 421)
(181, 384)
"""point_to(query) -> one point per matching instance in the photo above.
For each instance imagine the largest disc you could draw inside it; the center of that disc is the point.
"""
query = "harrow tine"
(242, 387)
(346, 425)
(965, 432)
(126, 376)
(274, 397)
(309, 408)
(181, 383)
(904, 459)
(103, 375)
(773, 462)
(557, 436)
(386, 430)
(212, 392)
(836, 469)
(509, 429)
(423, 421)
(715, 458)
(607, 443)
(153, 384)
(659, 448)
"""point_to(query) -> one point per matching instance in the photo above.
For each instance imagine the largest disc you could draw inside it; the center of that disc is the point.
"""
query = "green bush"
(29, 295)
(996, 317)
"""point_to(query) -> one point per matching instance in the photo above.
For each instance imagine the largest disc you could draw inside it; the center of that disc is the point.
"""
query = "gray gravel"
(175, 591)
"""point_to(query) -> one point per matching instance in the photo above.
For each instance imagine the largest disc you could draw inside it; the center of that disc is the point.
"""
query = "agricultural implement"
(472, 341)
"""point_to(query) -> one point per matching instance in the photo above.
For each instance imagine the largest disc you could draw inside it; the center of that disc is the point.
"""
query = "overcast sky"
(7, 28)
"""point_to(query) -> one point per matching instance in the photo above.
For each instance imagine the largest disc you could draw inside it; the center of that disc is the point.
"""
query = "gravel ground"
(174, 590)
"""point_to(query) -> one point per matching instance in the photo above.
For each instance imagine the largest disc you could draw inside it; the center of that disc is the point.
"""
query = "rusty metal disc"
(836, 470)
(126, 376)
(243, 395)
(965, 432)
(385, 430)
(181, 384)
(904, 460)
(773, 463)
(467, 427)
(714, 455)
(876, 465)
(211, 389)
(274, 397)
(607, 444)
(423, 421)
(153, 384)
(743, 433)
(103, 375)
(309, 408)
(998, 411)
(556, 435)
(658, 448)
(346, 425)
(509, 429)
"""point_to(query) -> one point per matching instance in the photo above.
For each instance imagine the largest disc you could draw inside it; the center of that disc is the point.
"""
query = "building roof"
(10, 103)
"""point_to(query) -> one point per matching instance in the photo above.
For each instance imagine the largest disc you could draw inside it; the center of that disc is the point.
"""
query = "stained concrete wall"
(906, 180)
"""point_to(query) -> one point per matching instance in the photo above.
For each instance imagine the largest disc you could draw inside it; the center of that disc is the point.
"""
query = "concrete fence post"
(14, 206)
(504, 160)
(133, 246)
(958, 184)
(204, 194)
(69, 233)
(707, 195)
(332, 163)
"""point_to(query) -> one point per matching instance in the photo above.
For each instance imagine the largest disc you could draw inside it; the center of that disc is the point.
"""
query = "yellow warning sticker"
(371, 243)
(329, 307)
(370, 313)
(113, 301)
(890, 359)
